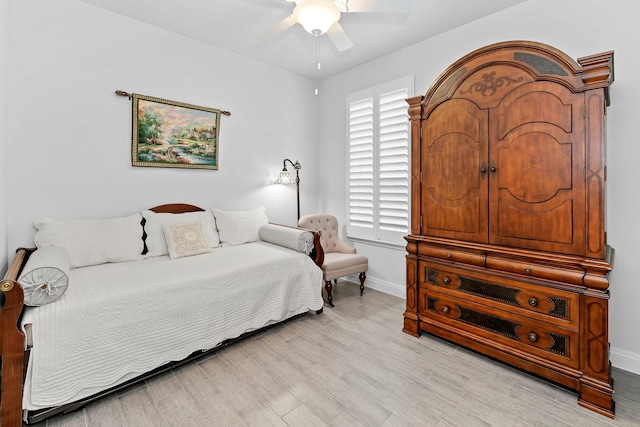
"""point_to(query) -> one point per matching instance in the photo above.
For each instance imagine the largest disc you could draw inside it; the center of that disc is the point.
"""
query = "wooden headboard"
(176, 208)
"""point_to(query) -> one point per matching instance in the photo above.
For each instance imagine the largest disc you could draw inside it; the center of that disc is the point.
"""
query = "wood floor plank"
(383, 396)
(74, 419)
(206, 397)
(303, 417)
(357, 403)
(221, 374)
(260, 415)
(345, 419)
(139, 409)
(106, 413)
(317, 400)
(628, 385)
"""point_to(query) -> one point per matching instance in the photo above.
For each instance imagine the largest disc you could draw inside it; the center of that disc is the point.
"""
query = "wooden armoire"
(507, 253)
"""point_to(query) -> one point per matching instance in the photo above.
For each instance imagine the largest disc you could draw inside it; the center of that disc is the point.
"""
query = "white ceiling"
(236, 26)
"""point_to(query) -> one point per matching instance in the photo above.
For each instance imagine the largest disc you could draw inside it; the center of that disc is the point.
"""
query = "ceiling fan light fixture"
(316, 16)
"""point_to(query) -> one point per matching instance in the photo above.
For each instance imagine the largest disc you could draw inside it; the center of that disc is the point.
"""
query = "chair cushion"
(338, 265)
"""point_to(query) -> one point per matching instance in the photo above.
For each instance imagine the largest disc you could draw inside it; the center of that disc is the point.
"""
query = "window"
(378, 162)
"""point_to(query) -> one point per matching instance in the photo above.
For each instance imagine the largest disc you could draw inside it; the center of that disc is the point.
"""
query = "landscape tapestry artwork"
(174, 134)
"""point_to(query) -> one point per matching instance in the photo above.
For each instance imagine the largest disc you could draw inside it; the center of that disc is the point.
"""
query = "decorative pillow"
(93, 241)
(186, 239)
(45, 277)
(156, 242)
(238, 227)
(289, 237)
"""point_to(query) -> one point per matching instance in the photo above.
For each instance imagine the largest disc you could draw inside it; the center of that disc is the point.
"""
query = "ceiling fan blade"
(280, 27)
(339, 37)
(388, 6)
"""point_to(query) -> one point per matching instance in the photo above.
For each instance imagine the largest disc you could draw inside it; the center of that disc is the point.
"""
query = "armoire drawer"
(503, 292)
(518, 332)
(449, 254)
(565, 275)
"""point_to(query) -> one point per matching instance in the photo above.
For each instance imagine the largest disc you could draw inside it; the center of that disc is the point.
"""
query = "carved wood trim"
(598, 71)
(541, 61)
(176, 208)
(12, 343)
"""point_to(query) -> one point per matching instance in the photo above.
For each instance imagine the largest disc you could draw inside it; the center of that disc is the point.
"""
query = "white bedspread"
(117, 321)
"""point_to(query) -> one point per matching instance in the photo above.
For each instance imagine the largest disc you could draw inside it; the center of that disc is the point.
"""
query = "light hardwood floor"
(350, 366)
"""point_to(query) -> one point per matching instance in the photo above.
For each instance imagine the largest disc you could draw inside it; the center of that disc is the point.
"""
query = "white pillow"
(156, 242)
(238, 227)
(93, 241)
(186, 239)
(289, 237)
(45, 277)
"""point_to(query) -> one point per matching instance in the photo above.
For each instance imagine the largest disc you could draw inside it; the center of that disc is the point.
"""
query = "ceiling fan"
(322, 16)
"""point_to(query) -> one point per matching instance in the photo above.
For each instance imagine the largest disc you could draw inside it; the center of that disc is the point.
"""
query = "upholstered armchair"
(340, 259)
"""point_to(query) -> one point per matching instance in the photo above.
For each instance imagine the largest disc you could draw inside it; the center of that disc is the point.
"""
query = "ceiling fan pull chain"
(317, 61)
(317, 34)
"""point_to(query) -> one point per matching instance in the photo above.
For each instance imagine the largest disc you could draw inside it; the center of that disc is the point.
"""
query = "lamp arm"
(295, 165)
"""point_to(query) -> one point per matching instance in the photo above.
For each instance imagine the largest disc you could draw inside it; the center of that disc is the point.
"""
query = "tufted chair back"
(340, 259)
(328, 225)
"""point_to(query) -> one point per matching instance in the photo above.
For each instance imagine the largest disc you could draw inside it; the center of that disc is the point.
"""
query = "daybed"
(162, 287)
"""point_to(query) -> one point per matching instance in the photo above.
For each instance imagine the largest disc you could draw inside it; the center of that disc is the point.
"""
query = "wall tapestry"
(171, 134)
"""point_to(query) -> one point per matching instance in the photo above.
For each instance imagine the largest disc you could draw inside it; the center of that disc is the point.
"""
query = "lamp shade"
(316, 16)
(284, 177)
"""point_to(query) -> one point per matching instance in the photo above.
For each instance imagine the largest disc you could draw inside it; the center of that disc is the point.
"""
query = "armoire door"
(455, 172)
(537, 163)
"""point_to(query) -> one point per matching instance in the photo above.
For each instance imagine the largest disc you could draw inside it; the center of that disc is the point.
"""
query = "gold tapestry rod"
(129, 95)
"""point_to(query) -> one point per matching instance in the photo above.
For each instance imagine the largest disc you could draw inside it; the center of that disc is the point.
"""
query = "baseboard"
(382, 286)
(625, 359)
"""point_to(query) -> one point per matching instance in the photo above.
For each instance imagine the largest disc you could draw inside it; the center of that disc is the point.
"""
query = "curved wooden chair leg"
(329, 287)
(362, 277)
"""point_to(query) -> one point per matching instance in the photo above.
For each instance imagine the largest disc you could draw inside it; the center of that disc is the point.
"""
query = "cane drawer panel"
(518, 332)
(525, 298)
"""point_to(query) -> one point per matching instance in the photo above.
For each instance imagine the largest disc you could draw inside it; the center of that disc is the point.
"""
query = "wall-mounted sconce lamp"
(285, 177)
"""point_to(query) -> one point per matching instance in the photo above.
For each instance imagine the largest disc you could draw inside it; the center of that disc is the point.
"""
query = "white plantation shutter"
(378, 162)
(361, 178)
(394, 162)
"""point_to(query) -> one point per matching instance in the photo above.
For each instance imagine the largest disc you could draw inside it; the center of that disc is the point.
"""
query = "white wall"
(4, 175)
(70, 135)
(577, 27)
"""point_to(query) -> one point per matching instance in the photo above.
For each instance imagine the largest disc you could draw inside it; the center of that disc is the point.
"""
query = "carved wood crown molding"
(597, 71)
(541, 61)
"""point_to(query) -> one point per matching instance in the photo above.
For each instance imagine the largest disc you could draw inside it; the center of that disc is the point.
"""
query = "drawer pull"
(446, 280)
(533, 301)
(449, 256)
(527, 270)
(445, 309)
(533, 337)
